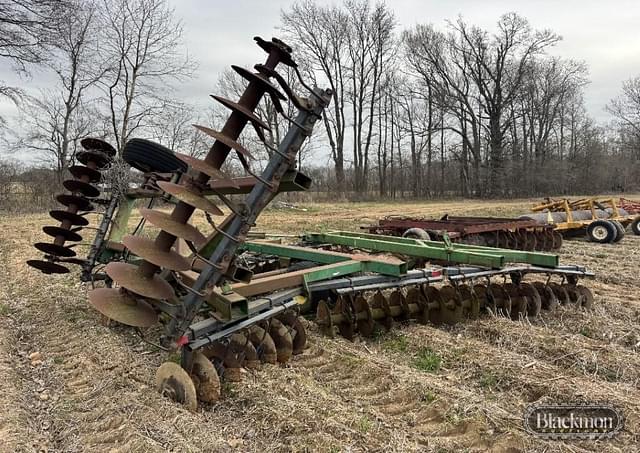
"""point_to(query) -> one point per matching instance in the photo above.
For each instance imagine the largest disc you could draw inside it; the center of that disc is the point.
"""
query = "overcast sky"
(603, 33)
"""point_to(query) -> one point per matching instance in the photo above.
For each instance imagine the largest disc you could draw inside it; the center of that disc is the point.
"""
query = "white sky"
(603, 33)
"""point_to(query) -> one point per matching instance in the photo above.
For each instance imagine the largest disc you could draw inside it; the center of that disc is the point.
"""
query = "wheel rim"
(600, 233)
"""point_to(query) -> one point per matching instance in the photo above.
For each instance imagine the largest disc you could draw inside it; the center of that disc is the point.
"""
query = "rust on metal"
(176, 228)
(260, 79)
(146, 249)
(86, 189)
(204, 167)
(99, 145)
(65, 233)
(226, 140)
(75, 203)
(97, 158)
(190, 196)
(66, 216)
(238, 108)
(55, 249)
(121, 307)
(85, 173)
(127, 276)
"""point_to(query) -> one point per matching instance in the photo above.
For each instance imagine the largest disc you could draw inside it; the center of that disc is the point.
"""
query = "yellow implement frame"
(584, 204)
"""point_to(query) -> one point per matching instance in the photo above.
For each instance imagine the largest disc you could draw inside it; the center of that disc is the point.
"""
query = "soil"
(71, 384)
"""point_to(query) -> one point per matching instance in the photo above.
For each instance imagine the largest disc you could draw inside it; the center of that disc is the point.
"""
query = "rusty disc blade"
(560, 292)
(100, 159)
(74, 219)
(587, 296)
(54, 249)
(548, 298)
(68, 235)
(81, 203)
(469, 301)
(206, 378)
(47, 267)
(147, 249)
(99, 145)
(380, 302)
(173, 382)
(364, 316)
(226, 140)
(208, 169)
(258, 78)
(190, 197)
(282, 339)
(519, 301)
(127, 276)
(263, 344)
(80, 171)
(178, 229)
(121, 307)
(242, 110)
(431, 301)
(323, 318)
(299, 333)
(84, 188)
(347, 326)
(481, 293)
(535, 301)
(451, 309)
(284, 51)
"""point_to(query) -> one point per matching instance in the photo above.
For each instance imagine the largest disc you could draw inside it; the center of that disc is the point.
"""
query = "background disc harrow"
(368, 313)
(97, 156)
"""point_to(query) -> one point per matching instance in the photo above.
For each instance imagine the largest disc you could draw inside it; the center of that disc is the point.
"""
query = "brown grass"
(93, 389)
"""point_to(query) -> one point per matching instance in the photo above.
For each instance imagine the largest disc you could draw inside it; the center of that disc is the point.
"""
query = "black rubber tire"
(602, 231)
(416, 233)
(620, 230)
(148, 156)
(635, 226)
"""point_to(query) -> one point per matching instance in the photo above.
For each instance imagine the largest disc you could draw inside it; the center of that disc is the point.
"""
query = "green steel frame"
(444, 251)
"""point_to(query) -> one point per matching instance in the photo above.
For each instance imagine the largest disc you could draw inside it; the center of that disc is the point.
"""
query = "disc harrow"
(151, 281)
(229, 305)
(517, 234)
(97, 156)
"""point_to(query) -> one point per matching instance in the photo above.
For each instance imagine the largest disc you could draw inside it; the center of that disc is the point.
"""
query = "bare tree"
(57, 118)
(320, 37)
(26, 30)
(626, 107)
(143, 42)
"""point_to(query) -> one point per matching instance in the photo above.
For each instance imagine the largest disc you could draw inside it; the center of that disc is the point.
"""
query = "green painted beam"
(510, 255)
(381, 265)
(456, 253)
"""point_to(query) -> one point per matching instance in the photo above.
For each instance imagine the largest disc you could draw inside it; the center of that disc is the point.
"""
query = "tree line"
(428, 111)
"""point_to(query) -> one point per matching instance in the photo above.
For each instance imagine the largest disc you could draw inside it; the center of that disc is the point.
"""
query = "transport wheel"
(148, 156)
(620, 230)
(172, 381)
(635, 226)
(416, 233)
(602, 231)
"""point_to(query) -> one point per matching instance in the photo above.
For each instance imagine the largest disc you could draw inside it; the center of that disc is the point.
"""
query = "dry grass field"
(70, 384)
